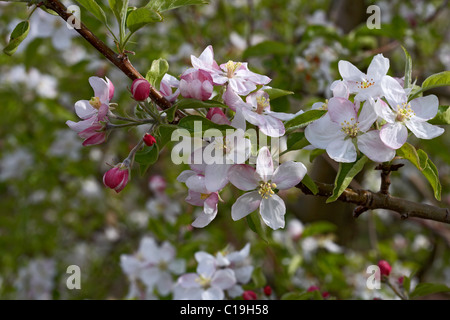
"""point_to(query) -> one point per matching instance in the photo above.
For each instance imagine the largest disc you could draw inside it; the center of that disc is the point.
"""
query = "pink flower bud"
(196, 84)
(140, 89)
(385, 268)
(400, 280)
(149, 139)
(116, 178)
(267, 290)
(249, 295)
(216, 115)
(313, 288)
(110, 87)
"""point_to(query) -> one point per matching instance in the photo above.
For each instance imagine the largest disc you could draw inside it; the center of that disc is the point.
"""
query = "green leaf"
(192, 104)
(440, 79)
(310, 184)
(146, 157)
(19, 34)
(296, 141)
(420, 160)
(157, 71)
(140, 17)
(442, 117)
(120, 9)
(302, 120)
(258, 278)
(164, 135)
(266, 48)
(423, 289)
(256, 225)
(408, 69)
(191, 123)
(345, 175)
(275, 93)
(93, 7)
(164, 5)
(318, 228)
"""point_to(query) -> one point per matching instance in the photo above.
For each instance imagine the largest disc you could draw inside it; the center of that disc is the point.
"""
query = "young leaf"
(146, 157)
(141, 17)
(275, 93)
(408, 69)
(442, 117)
(345, 175)
(423, 289)
(19, 34)
(310, 184)
(296, 141)
(440, 79)
(302, 120)
(192, 104)
(255, 224)
(408, 152)
(164, 5)
(93, 7)
(157, 71)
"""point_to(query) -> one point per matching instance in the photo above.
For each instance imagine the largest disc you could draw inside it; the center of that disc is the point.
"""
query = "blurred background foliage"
(55, 212)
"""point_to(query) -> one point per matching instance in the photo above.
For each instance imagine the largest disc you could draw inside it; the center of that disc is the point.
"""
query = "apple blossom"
(341, 127)
(116, 178)
(236, 74)
(385, 268)
(140, 89)
(196, 84)
(365, 85)
(167, 83)
(264, 179)
(403, 114)
(216, 115)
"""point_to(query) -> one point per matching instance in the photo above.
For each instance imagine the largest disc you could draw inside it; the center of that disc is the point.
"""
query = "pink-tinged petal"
(183, 176)
(378, 67)
(238, 121)
(323, 131)
(264, 164)
(349, 72)
(394, 135)
(102, 112)
(288, 174)
(223, 279)
(210, 205)
(111, 88)
(203, 219)
(371, 145)
(84, 110)
(189, 280)
(206, 60)
(213, 293)
(425, 108)
(245, 204)
(384, 111)
(241, 86)
(367, 115)
(340, 89)
(96, 139)
(238, 146)
(284, 116)
(216, 176)
(196, 183)
(81, 125)
(243, 177)
(342, 151)
(251, 116)
(424, 130)
(272, 127)
(233, 100)
(216, 115)
(341, 110)
(195, 198)
(101, 89)
(272, 212)
(393, 92)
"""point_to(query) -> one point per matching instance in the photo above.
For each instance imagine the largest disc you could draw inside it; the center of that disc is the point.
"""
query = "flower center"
(365, 84)
(324, 105)
(204, 282)
(232, 67)
(95, 102)
(404, 112)
(204, 196)
(163, 265)
(261, 104)
(350, 128)
(265, 189)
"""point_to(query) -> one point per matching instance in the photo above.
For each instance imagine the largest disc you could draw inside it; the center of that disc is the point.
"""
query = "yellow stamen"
(232, 67)
(95, 102)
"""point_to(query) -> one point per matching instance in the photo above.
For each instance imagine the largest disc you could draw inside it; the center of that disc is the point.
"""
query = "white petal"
(384, 111)
(245, 204)
(243, 177)
(183, 176)
(322, 132)
(196, 183)
(424, 130)
(189, 280)
(393, 91)
(342, 150)
(371, 145)
(289, 174)
(264, 164)
(223, 279)
(378, 67)
(216, 176)
(84, 110)
(349, 72)
(272, 212)
(394, 135)
(342, 110)
(213, 293)
(367, 115)
(425, 108)
(101, 89)
(272, 127)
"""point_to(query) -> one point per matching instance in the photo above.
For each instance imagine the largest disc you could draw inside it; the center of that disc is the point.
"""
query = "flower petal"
(367, 115)
(425, 108)
(349, 72)
(342, 150)
(384, 111)
(101, 89)
(424, 130)
(272, 212)
(84, 110)
(393, 92)
(264, 164)
(243, 177)
(245, 204)
(378, 67)
(394, 135)
(371, 145)
(289, 174)
(342, 110)
(216, 176)
(322, 132)
(223, 279)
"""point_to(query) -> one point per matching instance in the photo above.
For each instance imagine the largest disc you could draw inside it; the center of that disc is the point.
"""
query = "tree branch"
(370, 200)
(119, 60)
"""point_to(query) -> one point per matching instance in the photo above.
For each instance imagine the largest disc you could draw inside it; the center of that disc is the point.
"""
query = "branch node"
(359, 211)
(404, 215)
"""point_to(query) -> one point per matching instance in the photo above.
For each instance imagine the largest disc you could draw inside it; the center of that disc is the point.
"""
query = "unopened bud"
(249, 295)
(116, 178)
(140, 89)
(149, 139)
(385, 268)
